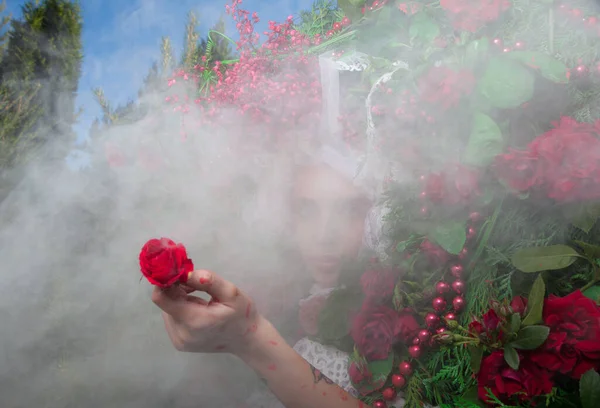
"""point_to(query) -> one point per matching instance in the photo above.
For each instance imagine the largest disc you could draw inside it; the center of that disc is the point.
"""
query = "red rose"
(572, 346)
(466, 182)
(359, 372)
(445, 87)
(507, 384)
(436, 254)
(519, 305)
(378, 283)
(518, 169)
(374, 330)
(309, 312)
(163, 262)
(409, 327)
(487, 326)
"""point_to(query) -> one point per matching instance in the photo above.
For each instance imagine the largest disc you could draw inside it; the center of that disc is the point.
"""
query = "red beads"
(439, 304)
(414, 351)
(432, 320)
(398, 381)
(459, 286)
(442, 288)
(379, 404)
(405, 369)
(450, 316)
(424, 335)
(458, 303)
(457, 271)
(389, 394)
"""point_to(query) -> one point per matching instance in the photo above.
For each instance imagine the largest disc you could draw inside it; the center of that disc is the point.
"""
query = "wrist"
(259, 346)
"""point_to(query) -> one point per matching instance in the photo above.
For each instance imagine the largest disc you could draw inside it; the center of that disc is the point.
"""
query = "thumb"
(211, 283)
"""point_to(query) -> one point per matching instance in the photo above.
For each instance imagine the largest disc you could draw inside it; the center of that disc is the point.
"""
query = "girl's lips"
(325, 260)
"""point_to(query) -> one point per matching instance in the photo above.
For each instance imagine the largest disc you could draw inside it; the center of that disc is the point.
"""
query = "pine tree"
(4, 21)
(43, 57)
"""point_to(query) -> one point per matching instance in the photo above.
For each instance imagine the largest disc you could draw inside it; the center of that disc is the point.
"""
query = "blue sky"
(121, 39)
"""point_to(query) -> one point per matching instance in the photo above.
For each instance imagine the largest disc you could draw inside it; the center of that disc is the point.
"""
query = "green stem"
(590, 284)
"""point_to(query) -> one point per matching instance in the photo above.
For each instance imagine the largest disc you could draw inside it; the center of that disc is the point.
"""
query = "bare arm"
(292, 379)
(230, 323)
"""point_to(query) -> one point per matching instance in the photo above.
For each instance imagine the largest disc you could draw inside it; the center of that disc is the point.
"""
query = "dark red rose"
(519, 305)
(163, 262)
(379, 283)
(374, 330)
(518, 169)
(487, 326)
(572, 346)
(509, 385)
(409, 327)
(359, 372)
(436, 254)
(309, 312)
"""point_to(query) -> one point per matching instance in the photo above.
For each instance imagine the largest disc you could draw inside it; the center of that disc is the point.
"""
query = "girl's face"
(328, 221)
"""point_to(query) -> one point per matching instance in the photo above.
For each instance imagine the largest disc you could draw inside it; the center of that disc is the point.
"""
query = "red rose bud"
(359, 372)
(518, 305)
(164, 262)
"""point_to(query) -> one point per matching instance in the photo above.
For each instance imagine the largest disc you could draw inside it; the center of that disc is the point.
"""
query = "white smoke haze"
(77, 327)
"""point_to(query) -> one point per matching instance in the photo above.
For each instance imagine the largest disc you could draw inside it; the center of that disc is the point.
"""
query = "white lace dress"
(332, 362)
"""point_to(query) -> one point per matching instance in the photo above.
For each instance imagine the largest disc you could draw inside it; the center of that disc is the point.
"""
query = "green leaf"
(531, 337)
(549, 67)
(547, 258)
(506, 83)
(351, 8)
(423, 27)
(476, 50)
(589, 250)
(380, 369)
(451, 236)
(583, 217)
(589, 389)
(515, 323)
(485, 142)
(333, 321)
(535, 302)
(511, 357)
(476, 356)
(593, 293)
(471, 396)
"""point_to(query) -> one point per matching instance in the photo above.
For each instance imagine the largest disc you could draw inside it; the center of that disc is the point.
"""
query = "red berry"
(329, 33)
(456, 271)
(379, 404)
(458, 303)
(389, 394)
(439, 304)
(458, 286)
(432, 320)
(424, 336)
(346, 21)
(398, 381)
(474, 216)
(416, 341)
(414, 351)
(405, 369)
(337, 26)
(450, 316)
(442, 288)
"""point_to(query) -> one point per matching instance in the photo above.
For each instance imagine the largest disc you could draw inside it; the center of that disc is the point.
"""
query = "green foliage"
(485, 142)
(544, 258)
(589, 389)
(4, 21)
(319, 19)
(530, 337)
(506, 84)
(535, 304)
(450, 235)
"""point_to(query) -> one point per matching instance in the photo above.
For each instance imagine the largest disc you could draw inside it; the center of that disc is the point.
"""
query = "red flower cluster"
(163, 262)
(572, 348)
(445, 87)
(453, 186)
(376, 327)
(564, 163)
(471, 15)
